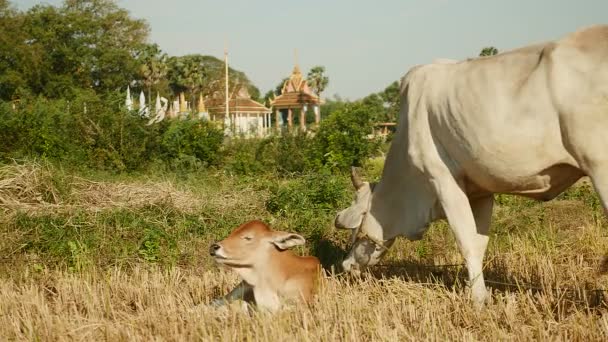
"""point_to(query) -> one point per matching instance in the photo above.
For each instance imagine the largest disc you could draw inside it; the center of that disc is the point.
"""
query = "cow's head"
(251, 244)
(366, 250)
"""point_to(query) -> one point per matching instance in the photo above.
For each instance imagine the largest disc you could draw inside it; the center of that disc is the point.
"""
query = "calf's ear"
(284, 240)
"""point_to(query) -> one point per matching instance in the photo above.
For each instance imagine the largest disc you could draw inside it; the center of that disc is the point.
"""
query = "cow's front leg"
(470, 222)
(242, 291)
(482, 212)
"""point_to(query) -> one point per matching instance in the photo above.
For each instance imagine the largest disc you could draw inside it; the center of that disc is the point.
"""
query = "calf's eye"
(247, 238)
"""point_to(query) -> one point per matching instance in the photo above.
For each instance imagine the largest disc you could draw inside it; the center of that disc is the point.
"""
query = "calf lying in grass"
(271, 273)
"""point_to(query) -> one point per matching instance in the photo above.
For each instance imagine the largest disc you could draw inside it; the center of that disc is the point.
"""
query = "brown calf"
(273, 273)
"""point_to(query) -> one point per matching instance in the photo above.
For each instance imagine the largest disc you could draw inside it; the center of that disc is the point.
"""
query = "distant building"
(246, 116)
(295, 95)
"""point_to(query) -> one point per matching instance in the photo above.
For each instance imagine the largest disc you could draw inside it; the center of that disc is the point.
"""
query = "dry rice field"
(104, 280)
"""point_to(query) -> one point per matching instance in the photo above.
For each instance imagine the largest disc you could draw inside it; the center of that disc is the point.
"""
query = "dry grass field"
(124, 258)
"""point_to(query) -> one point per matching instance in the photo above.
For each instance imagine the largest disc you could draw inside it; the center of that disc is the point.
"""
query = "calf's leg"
(242, 291)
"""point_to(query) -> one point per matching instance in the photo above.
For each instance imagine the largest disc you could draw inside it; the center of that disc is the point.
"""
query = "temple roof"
(294, 99)
(240, 102)
(237, 105)
(295, 82)
(295, 92)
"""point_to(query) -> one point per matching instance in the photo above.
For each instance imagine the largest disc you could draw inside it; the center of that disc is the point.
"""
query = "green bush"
(89, 130)
(313, 194)
(86, 131)
(240, 157)
(114, 139)
(287, 153)
(342, 139)
(280, 154)
(194, 140)
(38, 128)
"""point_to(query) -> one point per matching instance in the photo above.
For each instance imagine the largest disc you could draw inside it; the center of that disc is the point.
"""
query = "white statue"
(159, 111)
(129, 101)
(144, 111)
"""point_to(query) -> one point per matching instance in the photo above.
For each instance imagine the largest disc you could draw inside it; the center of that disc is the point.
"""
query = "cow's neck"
(403, 202)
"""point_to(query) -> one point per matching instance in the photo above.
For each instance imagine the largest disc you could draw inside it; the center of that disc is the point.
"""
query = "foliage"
(86, 132)
(196, 139)
(278, 154)
(59, 51)
(343, 138)
(63, 70)
(488, 51)
(317, 80)
(309, 204)
(153, 68)
(89, 44)
(392, 101)
(195, 74)
(311, 194)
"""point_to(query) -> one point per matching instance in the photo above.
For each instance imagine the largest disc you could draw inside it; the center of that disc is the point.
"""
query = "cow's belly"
(542, 185)
(533, 165)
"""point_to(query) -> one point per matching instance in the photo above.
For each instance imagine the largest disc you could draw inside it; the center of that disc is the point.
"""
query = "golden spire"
(296, 68)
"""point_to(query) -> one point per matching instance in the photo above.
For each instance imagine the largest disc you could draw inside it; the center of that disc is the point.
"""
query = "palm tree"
(153, 69)
(317, 80)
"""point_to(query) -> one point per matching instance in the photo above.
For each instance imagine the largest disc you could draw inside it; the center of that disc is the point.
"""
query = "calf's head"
(251, 244)
(365, 250)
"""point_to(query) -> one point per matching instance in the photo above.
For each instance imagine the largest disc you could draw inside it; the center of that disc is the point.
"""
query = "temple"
(246, 116)
(295, 95)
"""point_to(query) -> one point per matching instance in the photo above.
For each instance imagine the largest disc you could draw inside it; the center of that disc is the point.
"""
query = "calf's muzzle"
(213, 248)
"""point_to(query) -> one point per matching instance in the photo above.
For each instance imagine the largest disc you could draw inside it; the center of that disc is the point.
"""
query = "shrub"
(342, 140)
(314, 195)
(287, 153)
(114, 139)
(194, 140)
(240, 157)
(38, 128)
(284, 154)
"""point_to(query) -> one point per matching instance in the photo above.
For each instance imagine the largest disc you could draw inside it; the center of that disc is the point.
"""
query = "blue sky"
(364, 45)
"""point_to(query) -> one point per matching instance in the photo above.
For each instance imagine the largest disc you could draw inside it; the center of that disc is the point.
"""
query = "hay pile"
(34, 187)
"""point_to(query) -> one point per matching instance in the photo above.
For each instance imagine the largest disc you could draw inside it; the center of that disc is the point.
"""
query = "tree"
(274, 92)
(278, 90)
(488, 51)
(317, 79)
(52, 51)
(392, 101)
(108, 39)
(194, 74)
(13, 52)
(153, 67)
(342, 139)
(56, 51)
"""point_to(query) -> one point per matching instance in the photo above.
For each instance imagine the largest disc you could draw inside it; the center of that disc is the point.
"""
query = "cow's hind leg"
(599, 178)
(469, 220)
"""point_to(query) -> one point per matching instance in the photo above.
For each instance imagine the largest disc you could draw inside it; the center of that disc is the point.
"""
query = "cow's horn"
(354, 177)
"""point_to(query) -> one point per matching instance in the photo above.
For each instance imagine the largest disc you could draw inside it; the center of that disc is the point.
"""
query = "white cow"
(531, 122)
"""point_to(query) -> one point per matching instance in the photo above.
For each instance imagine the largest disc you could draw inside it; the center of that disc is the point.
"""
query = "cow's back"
(498, 121)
